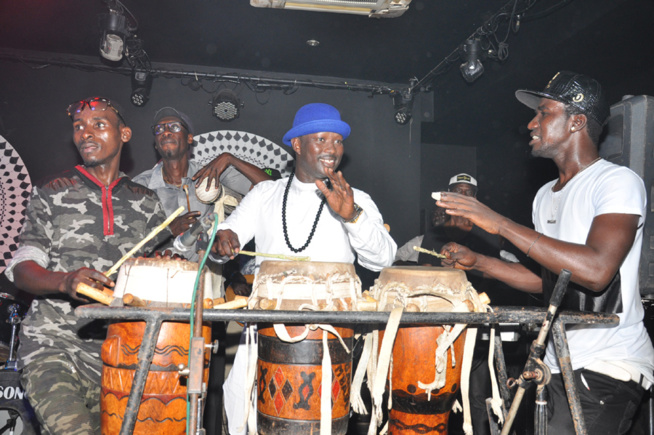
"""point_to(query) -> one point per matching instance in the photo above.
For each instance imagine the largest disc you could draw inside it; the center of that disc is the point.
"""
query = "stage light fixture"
(116, 28)
(472, 68)
(226, 105)
(403, 104)
(113, 36)
(141, 85)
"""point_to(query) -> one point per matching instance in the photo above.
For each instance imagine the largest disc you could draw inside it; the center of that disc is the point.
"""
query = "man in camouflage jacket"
(77, 226)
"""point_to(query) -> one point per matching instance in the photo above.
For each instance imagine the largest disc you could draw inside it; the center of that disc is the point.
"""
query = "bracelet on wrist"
(533, 243)
(357, 214)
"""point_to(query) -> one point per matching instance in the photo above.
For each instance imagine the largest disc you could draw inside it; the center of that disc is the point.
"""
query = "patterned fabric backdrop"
(15, 189)
(247, 146)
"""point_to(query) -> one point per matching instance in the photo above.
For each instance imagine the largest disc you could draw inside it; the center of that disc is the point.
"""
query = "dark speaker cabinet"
(629, 141)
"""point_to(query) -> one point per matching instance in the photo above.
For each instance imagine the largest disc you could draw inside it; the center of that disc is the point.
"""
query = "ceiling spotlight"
(112, 42)
(403, 103)
(472, 68)
(141, 85)
(226, 105)
(115, 28)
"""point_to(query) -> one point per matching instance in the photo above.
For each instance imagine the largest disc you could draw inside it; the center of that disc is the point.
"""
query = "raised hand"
(213, 170)
(470, 208)
(340, 197)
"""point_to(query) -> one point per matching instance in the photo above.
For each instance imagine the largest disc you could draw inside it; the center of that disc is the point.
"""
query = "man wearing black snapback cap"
(590, 221)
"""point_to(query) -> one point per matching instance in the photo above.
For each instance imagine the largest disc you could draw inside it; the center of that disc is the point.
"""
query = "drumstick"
(133, 301)
(280, 256)
(427, 251)
(94, 293)
(239, 302)
(144, 241)
(188, 201)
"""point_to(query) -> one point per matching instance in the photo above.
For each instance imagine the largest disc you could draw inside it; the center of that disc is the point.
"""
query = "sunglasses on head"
(95, 104)
(173, 127)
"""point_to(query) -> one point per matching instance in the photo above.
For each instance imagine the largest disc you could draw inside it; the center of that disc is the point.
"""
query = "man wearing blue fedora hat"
(314, 213)
(289, 216)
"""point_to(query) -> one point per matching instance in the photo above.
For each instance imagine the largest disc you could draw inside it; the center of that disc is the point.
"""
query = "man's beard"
(92, 164)
(168, 154)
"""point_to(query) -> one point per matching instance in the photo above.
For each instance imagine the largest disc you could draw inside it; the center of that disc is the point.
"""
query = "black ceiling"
(233, 34)
(611, 39)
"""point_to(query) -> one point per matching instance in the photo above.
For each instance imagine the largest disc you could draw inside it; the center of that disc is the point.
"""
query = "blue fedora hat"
(316, 118)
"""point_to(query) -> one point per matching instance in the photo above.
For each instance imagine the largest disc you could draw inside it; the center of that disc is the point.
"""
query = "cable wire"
(214, 230)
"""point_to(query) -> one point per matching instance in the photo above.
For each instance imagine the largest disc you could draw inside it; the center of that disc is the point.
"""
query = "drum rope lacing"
(322, 289)
(378, 366)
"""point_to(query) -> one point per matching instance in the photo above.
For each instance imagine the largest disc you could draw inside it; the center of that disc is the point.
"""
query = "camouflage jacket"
(74, 224)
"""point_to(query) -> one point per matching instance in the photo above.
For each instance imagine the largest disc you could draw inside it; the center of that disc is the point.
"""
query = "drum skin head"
(159, 280)
(415, 276)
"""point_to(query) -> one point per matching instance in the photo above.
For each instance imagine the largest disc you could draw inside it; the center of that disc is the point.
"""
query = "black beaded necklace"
(315, 222)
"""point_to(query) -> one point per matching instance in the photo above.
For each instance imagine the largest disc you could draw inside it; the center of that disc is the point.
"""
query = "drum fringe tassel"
(377, 365)
(327, 292)
(249, 419)
(325, 397)
(381, 372)
(496, 400)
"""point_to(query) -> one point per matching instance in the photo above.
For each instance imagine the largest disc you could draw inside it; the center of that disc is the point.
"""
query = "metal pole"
(499, 315)
(500, 367)
(193, 390)
(538, 345)
(540, 413)
(568, 375)
(154, 317)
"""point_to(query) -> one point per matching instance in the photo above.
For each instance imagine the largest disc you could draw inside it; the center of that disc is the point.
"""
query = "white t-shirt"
(567, 215)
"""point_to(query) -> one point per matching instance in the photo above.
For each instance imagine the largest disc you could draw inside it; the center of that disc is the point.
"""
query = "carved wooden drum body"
(289, 374)
(416, 360)
(161, 283)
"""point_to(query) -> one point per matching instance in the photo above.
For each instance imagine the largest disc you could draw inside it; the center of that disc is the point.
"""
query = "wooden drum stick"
(147, 238)
(188, 200)
(280, 256)
(239, 302)
(427, 251)
(94, 293)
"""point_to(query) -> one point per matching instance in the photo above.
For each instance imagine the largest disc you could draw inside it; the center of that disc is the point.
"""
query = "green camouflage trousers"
(65, 400)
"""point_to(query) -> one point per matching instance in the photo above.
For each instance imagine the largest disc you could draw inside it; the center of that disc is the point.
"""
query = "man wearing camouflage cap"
(590, 221)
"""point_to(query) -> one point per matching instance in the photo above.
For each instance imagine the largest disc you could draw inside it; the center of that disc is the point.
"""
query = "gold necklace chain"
(557, 198)
(588, 165)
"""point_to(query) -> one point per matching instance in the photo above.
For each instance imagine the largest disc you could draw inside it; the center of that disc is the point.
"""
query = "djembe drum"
(161, 283)
(424, 379)
(290, 378)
